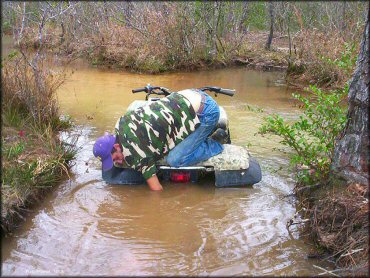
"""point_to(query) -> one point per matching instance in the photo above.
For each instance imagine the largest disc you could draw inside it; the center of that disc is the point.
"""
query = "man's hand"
(154, 183)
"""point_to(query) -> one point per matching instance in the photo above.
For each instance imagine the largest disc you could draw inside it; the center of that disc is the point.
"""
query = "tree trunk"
(343, 25)
(269, 39)
(244, 18)
(351, 154)
(106, 16)
(128, 13)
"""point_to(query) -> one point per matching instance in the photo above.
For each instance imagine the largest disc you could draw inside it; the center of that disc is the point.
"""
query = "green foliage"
(253, 108)
(197, 9)
(22, 176)
(257, 15)
(152, 65)
(12, 54)
(13, 116)
(294, 68)
(347, 60)
(14, 150)
(7, 27)
(312, 137)
(17, 175)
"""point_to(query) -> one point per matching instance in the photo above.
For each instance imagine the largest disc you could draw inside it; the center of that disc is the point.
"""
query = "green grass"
(13, 116)
(34, 160)
(12, 151)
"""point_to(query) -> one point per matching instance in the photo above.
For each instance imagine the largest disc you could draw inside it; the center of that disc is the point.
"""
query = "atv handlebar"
(138, 90)
(152, 90)
(148, 89)
(218, 90)
(228, 92)
(156, 90)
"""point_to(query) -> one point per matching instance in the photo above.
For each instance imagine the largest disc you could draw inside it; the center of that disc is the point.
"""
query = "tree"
(351, 154)
(269, 39)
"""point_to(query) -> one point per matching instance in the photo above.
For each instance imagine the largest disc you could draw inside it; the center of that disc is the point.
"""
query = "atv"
(233, 167)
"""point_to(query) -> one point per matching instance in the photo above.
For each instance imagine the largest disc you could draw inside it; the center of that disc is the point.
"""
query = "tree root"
(340, 223)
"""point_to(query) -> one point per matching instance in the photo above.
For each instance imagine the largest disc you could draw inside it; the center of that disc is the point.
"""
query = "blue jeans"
(197, 146)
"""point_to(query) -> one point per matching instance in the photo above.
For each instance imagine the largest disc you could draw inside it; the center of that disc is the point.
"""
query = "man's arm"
(154, 183)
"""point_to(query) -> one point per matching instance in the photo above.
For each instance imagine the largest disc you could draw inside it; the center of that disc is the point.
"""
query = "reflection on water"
(86, 227)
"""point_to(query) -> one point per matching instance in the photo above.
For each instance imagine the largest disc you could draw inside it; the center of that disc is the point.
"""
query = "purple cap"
(102, 150)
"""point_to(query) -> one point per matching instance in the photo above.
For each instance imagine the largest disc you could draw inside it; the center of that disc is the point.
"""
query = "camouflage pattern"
(231, 158)
(149, 132)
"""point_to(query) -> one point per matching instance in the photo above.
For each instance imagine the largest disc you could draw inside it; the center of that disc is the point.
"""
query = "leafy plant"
(312, 137)
(347, 59)
(253, 108)
(14, 150)
(257, 15)
(7, 27)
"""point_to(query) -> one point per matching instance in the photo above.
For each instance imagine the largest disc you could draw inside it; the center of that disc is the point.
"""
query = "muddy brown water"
(87, 227)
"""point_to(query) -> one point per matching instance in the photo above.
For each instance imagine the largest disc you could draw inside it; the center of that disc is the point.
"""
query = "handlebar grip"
(139, 90)
(227, 92)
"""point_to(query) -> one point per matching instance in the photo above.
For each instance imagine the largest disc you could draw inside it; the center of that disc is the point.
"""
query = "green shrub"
(347, 60)
(312, 137)
(7, 27)
(257, 16)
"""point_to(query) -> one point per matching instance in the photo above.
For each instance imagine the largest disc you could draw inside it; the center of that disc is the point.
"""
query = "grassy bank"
(34, 160)
(307, 57)
(121, 47)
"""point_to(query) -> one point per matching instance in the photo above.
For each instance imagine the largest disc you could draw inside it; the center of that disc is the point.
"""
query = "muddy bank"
(339, 225)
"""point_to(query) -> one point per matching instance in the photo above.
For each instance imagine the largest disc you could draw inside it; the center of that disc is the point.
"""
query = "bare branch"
(23, 20)
(61, 12)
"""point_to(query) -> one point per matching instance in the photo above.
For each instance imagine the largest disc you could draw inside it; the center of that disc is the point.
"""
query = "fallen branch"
(307, 188)
(352, 252)
(291, 223)
(325, 271)
(348, 270)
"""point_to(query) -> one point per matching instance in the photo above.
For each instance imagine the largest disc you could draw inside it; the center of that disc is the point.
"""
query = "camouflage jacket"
(148, 133)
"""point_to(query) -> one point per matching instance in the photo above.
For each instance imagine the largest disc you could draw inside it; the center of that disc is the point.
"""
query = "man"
(177, 125)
